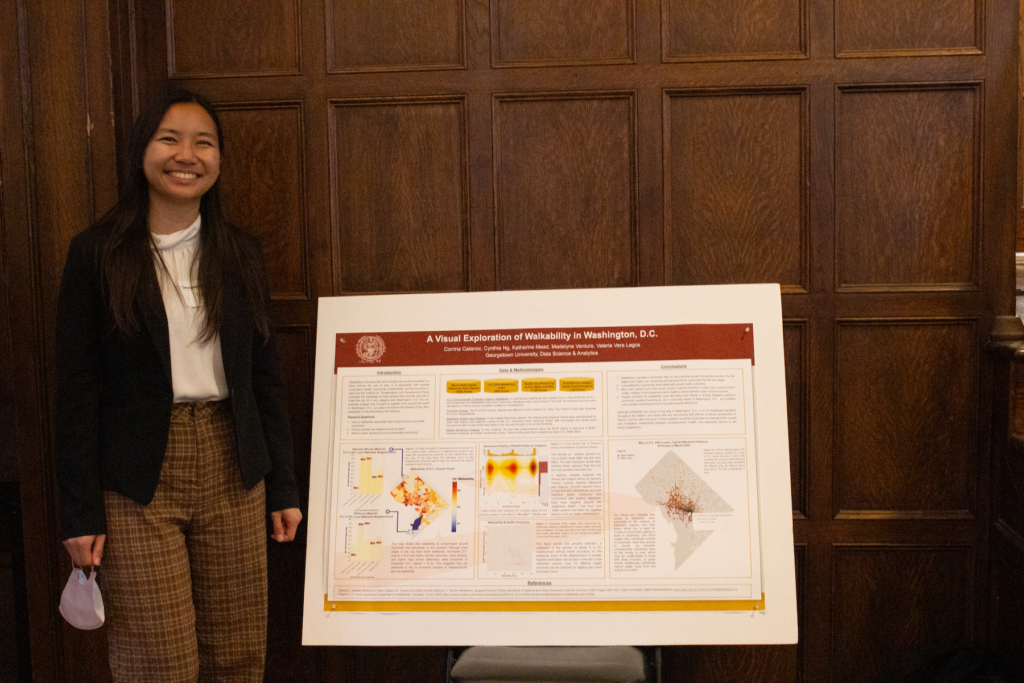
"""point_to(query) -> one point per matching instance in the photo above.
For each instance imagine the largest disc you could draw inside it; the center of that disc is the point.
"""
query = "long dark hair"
(125, 254)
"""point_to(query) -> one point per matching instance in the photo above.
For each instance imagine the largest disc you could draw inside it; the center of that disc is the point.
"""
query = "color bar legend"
(455, 501)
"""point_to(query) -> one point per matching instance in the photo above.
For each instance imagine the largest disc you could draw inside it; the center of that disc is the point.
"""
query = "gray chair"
(554, 665)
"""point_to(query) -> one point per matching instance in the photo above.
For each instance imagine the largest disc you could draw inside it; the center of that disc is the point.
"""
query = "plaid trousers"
(184, 578)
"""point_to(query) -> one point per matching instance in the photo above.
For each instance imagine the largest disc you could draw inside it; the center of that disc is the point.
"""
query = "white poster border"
(760, 305)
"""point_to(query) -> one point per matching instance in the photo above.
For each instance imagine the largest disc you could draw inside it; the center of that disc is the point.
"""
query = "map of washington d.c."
(679, 492)
(415, 493)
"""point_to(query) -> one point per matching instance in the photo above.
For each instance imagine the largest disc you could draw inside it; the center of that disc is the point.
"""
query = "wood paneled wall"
(1007, 540)
(859, 153)
(59, 173)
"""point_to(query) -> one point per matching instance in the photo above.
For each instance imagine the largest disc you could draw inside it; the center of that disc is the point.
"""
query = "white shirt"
(197, 367)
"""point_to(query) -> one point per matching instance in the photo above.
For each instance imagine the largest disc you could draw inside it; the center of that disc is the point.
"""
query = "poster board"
(573, 467)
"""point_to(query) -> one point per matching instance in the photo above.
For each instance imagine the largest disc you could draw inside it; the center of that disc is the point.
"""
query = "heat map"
(513, 473)
(414, 492)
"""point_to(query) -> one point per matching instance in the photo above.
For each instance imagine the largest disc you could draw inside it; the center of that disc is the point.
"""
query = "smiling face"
(182, 160)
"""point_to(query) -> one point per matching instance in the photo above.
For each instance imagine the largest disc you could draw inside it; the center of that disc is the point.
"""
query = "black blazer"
(114, 395)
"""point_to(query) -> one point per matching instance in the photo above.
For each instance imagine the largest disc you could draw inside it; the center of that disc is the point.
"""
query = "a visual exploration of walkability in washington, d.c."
(562, 467)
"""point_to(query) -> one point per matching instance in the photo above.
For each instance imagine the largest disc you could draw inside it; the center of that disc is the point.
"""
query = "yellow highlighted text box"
(463, 386)
(576, 384)
(501, 386)
(539, 384)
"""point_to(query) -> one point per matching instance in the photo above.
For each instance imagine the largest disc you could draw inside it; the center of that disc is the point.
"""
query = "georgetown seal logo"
(370, 348)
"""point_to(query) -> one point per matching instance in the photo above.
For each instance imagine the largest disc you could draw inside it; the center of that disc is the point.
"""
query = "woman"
(172, 436)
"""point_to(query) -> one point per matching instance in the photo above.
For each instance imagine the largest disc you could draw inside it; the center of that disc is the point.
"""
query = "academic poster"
(568, 467)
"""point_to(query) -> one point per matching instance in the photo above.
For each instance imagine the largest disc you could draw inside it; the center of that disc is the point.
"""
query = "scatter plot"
(679, 492)
(509, 548)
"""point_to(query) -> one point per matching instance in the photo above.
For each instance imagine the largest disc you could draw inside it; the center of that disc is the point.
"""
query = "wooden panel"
(207, 39)
(794, 339)
(548, 32)
(395, 35)
(565, 187)
(103, 153)
(1008, 494)
(391, 664)
(731, 663)
(875, 28)
(60, 192)
(262, 184)
(673, 30)
(890, 602)
(905, 412)
(736, 187)
(8, 444)
(1008, 590)
(908, 187)
(8, 627)
(742, 662)
(61, 188)
(287, 660)
(1020, 136)
(711, 30)
(26, 437)
(399, 174)
(59, 209)
(15, 651)
(1017, 400)
(295, 348)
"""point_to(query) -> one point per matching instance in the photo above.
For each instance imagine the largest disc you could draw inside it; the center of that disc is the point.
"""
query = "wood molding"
(977, 48)
(500, 62)
(668, 57)
(845, 94)
(1012, 537)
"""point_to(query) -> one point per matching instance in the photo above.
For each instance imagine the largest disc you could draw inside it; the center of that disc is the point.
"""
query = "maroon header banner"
(545, 345)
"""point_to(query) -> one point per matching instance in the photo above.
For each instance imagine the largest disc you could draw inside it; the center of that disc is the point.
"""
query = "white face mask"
(81, 604)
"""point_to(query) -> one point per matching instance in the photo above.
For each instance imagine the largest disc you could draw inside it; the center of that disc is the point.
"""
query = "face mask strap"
(88, 571)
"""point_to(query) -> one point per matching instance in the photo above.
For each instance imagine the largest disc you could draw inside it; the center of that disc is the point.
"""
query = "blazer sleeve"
(268, 387)
(79, 384)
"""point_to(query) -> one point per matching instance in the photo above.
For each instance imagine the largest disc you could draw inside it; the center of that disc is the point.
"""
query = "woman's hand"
(87, 551)
(285, 524)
